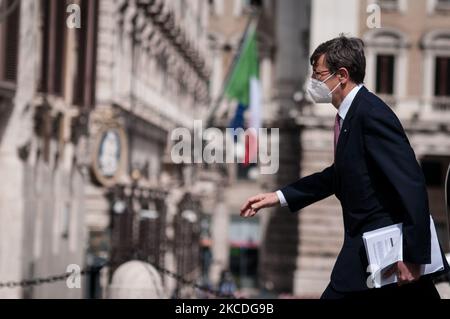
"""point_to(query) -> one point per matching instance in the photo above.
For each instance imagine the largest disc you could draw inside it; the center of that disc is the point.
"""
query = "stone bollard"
(136, 280)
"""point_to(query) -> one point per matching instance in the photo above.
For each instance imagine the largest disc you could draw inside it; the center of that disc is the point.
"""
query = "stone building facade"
(42, 134)
(152, 76)
(87, 116)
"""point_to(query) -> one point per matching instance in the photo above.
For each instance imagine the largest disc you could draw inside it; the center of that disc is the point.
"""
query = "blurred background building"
(86, 119)
(406, 66)
(262, 252)
(86, 116)
(152, 77)
(42, 126)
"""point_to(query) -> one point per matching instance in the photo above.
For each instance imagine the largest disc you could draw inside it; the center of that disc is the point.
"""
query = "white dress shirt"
(343, 110)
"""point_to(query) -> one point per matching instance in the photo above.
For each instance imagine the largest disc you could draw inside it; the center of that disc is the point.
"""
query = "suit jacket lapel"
(346, 126)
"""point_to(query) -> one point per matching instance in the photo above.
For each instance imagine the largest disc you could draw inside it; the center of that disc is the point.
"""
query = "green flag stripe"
(246, 68)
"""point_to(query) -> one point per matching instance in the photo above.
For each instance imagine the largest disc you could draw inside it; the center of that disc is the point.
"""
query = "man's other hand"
(254, 204)
(406, 272)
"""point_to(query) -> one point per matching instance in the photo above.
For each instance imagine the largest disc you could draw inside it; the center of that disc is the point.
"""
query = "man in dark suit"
(375, 176)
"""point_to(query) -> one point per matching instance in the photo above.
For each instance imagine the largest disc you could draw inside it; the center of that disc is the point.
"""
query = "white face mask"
(319, 91)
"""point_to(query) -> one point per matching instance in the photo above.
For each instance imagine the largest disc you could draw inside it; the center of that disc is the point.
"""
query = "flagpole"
(209, 119)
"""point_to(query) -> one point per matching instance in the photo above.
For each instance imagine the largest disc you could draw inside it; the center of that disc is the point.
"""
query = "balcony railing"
(441, 104)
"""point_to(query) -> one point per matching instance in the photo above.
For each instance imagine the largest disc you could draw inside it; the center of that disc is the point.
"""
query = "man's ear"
(344, 75)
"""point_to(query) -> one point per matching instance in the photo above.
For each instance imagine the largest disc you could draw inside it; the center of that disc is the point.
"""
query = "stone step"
(322, 210)
(310, 288)
(316, 263)
(318, 219)
(312, 250)
(321, 229)
(306, 250)
(316, 248)
(319, 240)
(312, 274)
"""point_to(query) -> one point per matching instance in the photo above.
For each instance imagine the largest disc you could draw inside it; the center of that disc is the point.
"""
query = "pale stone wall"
(17, 132)
(38, 200)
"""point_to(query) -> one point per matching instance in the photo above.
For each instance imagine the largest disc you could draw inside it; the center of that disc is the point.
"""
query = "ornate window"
(385, 67)
(436, 45)
(387, 64)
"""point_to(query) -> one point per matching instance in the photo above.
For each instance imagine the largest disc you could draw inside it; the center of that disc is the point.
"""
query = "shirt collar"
(347, 103)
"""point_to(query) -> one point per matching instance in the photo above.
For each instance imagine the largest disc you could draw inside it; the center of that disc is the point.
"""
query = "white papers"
(384, 247)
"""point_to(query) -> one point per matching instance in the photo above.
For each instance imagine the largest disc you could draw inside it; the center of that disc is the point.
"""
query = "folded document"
(384, 247)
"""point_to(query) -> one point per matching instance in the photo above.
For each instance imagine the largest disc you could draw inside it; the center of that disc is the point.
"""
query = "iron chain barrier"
(86, 271)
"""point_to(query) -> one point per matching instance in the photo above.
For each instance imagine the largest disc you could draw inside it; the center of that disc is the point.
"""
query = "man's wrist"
(281, 199)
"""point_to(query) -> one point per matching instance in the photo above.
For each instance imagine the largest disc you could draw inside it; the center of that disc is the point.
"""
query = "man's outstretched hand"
(255, 203)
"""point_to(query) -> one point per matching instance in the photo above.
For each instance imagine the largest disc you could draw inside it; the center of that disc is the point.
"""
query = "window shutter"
(385, 74)
(45, 18)
(81, 61)
(53, 46)
(84, 86)
(12, 44)
(442, 80)
(59, 47)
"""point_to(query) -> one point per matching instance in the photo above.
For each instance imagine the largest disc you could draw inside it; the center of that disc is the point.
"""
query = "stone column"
(18, 132)
(321, 224)
(220, 246)
(170, 261)
(281, 234)
(280, 247)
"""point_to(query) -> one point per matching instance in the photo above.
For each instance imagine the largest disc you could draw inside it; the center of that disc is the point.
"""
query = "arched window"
(436, 46)
(387, 73)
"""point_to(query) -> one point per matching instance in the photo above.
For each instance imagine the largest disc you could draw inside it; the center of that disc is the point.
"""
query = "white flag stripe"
(255, 104)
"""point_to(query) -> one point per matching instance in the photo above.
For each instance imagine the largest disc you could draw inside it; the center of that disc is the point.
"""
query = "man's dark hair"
(343, 52)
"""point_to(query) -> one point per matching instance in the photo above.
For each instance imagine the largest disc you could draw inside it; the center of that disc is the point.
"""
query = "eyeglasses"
(316, 74)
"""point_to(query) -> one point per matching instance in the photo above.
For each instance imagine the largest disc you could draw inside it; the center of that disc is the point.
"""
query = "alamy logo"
(214, 146)
(74, 19)
(74, 279)
(374, 18)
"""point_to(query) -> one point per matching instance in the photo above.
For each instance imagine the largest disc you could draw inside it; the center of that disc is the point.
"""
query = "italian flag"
(244, 87)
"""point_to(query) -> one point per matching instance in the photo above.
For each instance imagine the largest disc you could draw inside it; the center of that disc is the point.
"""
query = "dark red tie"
(337, 132)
